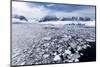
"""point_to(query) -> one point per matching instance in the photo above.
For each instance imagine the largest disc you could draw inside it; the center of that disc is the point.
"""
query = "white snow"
(61, 23)
(56, 23)
(91, 23)
(14, 20)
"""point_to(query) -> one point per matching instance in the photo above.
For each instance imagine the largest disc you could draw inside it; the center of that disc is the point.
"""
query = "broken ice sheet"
(73, 44)
(67, 51)
(45, 55)
(79, 48)
(84, 46)
(49, 49)
(57, 58)
(76, 60)
(46, 38)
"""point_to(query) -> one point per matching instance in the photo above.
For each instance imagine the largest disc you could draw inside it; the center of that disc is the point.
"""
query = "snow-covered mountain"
(19, 19)
(63, 18)
(44, 14)
(55, 20)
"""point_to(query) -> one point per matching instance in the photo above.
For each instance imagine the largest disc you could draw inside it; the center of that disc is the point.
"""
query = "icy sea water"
(89, 54)
(23, 36)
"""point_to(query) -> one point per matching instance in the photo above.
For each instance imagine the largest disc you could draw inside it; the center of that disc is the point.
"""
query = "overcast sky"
(38, 10)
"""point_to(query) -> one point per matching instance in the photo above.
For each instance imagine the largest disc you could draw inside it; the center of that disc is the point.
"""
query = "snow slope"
(87, 23)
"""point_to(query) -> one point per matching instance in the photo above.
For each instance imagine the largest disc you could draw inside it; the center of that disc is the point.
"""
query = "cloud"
(39, 11)
(21, 8)
(87, 12)
(90, 10)
(19, 5)
(50, 5)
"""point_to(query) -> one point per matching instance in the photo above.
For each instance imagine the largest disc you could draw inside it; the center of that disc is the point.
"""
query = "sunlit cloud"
(21, 8)
(38, 11)
(50, 5)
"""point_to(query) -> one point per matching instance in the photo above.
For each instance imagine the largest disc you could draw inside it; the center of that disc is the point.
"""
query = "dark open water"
(89, 53)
